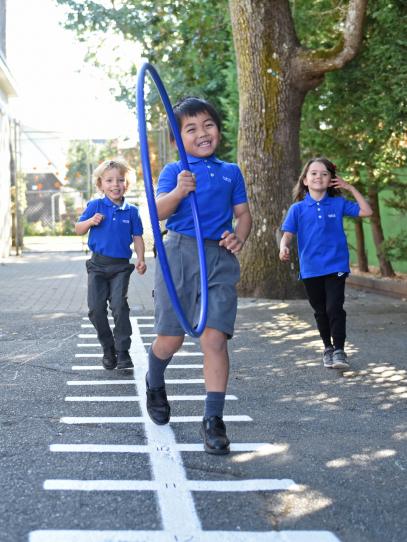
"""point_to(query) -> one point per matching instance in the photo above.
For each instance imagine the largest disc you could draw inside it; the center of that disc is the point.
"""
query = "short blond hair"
(117, 163)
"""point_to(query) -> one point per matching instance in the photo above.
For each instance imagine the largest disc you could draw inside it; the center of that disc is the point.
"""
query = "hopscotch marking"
(135, 398)
(174, 491)
(100, 368)
(177, 354)
(130, 382)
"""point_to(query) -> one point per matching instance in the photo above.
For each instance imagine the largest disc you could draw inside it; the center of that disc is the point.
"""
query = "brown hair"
(116, 163)
(300, 190)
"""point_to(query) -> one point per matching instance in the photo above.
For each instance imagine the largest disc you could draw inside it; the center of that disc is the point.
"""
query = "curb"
(389, 287)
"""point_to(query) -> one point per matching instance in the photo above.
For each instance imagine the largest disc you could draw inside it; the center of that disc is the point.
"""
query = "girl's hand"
(284, 254)
(186, 183)
(337, 182)
(96, 219)
(231, 242)
(140, 267)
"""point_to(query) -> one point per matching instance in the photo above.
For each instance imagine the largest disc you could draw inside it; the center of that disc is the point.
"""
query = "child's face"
(318, 178)
(113, 184)
(200, 135)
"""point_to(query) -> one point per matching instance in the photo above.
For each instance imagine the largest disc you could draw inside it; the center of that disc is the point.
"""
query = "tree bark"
(274, 75)
(360, 247)
(386, 268)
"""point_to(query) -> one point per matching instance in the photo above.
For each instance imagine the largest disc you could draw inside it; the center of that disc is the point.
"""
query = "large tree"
(275, 72)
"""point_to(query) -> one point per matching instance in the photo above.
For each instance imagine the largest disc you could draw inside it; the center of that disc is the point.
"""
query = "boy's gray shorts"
(223, 274)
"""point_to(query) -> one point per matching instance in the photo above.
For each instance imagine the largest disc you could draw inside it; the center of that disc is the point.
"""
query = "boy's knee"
(213, 340)
(166, 346)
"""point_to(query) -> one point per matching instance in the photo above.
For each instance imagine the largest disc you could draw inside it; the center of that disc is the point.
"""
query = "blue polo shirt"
(322, 245)
(114, 234)
(219, 187)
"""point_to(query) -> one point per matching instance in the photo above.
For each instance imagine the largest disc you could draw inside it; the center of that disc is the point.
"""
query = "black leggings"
(326, 295)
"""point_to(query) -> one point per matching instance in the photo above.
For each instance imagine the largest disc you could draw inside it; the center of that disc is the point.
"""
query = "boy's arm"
(365, 209)
(83, 227)
(139, 249)
(167, 202)
(285, 244)
(234, 241)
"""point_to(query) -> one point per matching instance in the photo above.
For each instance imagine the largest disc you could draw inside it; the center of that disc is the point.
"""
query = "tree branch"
(311, 65)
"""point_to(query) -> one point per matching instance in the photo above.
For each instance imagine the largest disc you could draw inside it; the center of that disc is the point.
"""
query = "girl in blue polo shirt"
(317, 220)
(221, 197)
(113, 225)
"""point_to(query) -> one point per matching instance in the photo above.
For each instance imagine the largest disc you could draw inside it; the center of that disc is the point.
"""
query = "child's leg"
(159, 356)
(335, 298)
(98, 293)
(315, 289)
(216, 372)
(119, 285)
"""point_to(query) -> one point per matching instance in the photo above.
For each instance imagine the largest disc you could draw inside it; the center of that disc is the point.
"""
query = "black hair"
(191, 106)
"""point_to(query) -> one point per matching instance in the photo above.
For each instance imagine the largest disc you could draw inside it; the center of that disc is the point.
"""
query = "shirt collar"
(310, 201)
(196, 159)
(110, 203)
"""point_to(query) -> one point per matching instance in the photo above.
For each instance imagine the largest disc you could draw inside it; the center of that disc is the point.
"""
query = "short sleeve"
(239, 189)
(290, 223)
(91, 209)
(350, 208)
(136, 224)
(167, 180)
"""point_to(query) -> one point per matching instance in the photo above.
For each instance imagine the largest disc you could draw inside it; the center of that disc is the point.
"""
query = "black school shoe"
(158, 407)
(213, 432)
(109, 360)
(124, 360)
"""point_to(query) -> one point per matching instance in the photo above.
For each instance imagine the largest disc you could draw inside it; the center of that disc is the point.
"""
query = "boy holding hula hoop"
(221, 196)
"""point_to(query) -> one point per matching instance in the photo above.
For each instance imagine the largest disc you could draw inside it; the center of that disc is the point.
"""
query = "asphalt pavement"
(322, 452)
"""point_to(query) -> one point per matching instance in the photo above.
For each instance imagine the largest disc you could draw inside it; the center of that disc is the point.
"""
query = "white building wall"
(5, 203)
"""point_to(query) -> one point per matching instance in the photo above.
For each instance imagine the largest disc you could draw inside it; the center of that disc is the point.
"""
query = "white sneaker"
(327, 356)
(339, 360)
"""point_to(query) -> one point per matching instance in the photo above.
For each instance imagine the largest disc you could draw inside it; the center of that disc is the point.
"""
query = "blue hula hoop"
(148, 182)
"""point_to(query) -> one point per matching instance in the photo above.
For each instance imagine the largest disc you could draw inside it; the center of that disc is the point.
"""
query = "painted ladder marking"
(166, 536)
(123, 382)
(100, 355)
(100, 368)
(262, 447)
(135, 398)
(139, 419)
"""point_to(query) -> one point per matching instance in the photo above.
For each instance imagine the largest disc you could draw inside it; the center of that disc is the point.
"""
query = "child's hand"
(96, 219)
(141, 267)
(284, 254)
(186, 183)
(337, 182)
(231, 242)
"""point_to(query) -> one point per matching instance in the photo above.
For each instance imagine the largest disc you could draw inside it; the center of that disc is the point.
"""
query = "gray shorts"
(223, 274)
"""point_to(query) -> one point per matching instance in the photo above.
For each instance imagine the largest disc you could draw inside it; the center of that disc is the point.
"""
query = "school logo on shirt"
(126, 221)
(332, 215)
(227, 179)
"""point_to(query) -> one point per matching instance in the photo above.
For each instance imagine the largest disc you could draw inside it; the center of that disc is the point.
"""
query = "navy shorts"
(223, 271)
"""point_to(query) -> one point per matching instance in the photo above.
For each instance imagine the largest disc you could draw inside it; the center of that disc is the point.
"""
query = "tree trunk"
(386, 268)
(360, 247)
(274, 75)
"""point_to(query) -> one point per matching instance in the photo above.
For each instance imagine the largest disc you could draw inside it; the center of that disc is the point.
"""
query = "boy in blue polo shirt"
(317, 220)
(221, 196)
(114, 224)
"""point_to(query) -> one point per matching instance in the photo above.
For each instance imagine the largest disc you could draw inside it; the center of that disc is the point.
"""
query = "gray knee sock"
(214, 403)
(156, 369)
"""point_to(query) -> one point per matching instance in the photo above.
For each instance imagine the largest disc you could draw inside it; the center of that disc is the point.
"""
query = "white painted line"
(156, 485)
(87, 325)
(139, 419)
(166, 536)
(144, 449)
(93, 355)
(87, 319)
(145, 325)
(183, 354)
(144, 318)
(87, 335)
(183, 344)
(87, 345)
(134, 398)
(175, 502)
(130, 381)
(101, 368)
(148, 335)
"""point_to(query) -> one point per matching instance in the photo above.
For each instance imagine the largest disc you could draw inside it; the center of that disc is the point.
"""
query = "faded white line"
(134, 398)
(166, 536)
(101, 368)
(145, 449)
(140, 419)
(119, 382)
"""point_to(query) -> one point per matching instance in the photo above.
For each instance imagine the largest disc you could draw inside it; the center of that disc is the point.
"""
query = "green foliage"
(81, 157)
(189, 43)
(395, 248)
(358, 117)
